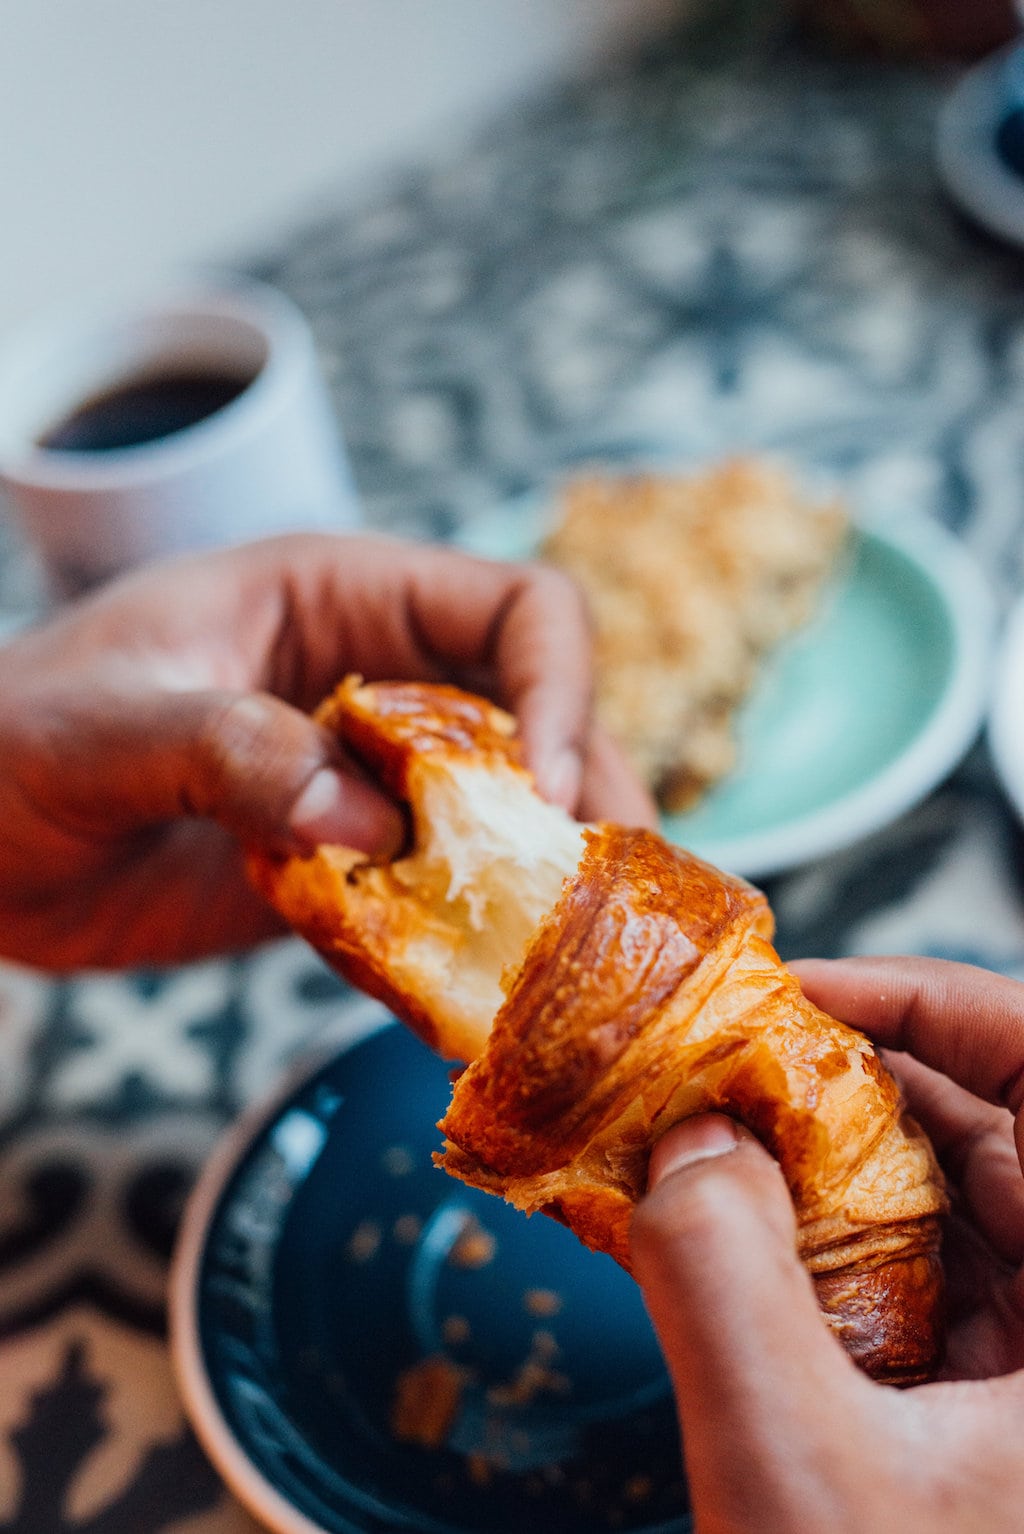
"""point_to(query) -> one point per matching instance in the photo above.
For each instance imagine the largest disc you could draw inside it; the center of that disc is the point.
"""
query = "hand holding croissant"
(109, 719)
(604, 986)
(779, 1432)
(149, 728)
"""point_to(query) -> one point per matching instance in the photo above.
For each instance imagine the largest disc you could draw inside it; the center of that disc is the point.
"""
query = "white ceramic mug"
(269, 459)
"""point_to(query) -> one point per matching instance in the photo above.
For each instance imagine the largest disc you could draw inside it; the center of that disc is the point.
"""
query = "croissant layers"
(602, 985)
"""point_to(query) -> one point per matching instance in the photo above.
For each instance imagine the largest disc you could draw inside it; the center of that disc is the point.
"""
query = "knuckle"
(238, 748)
(233, 732)
(557, 589)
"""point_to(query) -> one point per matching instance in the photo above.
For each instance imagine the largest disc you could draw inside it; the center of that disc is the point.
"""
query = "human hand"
(782, 1434)
(147, 730)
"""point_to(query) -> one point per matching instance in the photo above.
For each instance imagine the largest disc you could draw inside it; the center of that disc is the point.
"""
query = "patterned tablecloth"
(739, 245)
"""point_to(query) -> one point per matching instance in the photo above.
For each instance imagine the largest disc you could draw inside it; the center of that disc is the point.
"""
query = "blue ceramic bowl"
(328, 1275)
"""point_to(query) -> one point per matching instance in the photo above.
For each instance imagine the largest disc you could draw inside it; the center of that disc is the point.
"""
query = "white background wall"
(135, 134)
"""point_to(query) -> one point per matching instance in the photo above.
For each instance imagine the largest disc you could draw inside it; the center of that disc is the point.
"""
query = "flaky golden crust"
(645, 991)
(358, 915)
(632, 925)
(391, 727)
(651, 993)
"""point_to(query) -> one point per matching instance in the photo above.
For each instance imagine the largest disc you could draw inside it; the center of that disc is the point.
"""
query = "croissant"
(604, 984)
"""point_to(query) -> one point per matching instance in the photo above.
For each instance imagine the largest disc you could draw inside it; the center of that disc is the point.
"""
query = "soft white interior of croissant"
(489, 861)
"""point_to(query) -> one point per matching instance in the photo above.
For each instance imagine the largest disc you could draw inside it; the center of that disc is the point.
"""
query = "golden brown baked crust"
(644, 989)
(392, 727)
(419, 933)
(651, 993)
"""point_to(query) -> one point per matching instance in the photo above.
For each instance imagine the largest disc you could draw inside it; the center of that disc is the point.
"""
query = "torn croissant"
(604, 984)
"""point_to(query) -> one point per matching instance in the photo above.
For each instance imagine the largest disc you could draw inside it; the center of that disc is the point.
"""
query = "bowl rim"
(955, 721)
(257, 1494)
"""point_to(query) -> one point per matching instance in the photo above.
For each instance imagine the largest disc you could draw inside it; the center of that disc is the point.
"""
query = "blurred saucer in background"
(980, 143)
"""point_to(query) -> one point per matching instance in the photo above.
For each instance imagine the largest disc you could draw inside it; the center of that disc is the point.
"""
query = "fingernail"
(559, 779)
(347, 812)
(698, 1139)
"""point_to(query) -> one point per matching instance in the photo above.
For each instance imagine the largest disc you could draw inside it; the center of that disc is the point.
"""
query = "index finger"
(397, 609)
(975, 1146)
(964, 1021)
(542, 662)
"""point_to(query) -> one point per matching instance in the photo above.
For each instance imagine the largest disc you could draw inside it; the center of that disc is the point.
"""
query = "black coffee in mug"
(143, 409)
(193, 419)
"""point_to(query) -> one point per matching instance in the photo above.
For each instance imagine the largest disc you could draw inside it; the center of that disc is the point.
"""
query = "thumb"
(265, 771)
(755, 1370)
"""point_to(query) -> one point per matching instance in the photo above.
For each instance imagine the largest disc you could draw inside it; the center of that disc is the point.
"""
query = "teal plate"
(855, 718)
(326, 1266)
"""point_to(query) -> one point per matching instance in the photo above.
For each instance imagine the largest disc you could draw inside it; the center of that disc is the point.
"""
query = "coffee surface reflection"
(142, 409)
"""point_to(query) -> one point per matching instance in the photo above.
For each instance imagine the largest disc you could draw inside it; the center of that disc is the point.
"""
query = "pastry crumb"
(426, 1401)
(364, 1242)
(479, 1469)
(455, 1330)
(534, 1378)
(473, 1248)
(542, 1302)
(544, 1344)
(638, 1488)
(406, 1229)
